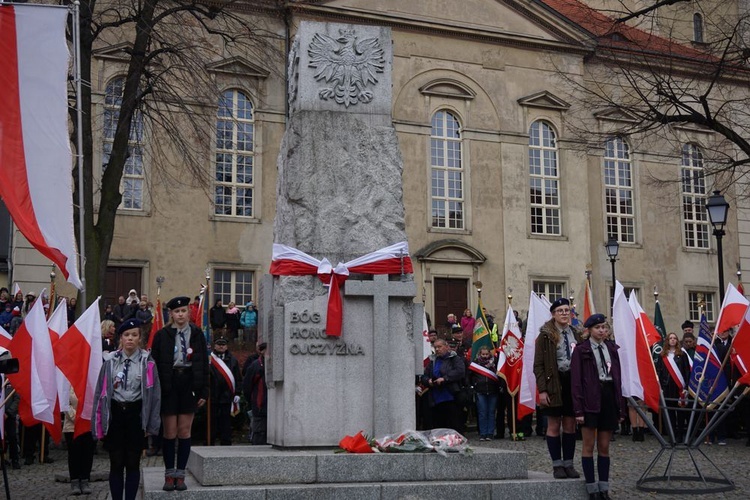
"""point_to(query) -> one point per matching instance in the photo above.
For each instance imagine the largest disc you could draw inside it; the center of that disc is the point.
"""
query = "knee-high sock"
(568, 447)
(132, 481)
(553, 445)
(168, 449)
(602, 465)
(183, 453)
(115, 484)
(587, 463)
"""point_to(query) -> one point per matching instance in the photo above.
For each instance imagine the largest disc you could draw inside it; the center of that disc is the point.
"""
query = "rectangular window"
(447, 172)
(544, 180)
(695, 300)
(235, 149)
(618, 191)
(553, 290)
(232, 286)
(694, 214)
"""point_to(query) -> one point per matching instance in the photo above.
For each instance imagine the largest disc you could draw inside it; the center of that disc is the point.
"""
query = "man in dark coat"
(225, 390)
(254, 388)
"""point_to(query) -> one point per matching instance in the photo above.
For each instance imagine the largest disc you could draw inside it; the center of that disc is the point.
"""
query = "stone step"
(536, 486)
(264, 465)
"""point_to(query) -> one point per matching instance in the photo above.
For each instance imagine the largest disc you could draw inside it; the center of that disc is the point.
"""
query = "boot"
(168, 483)
(640, 434)
(179, 484)
(85, 487)
(75, 487)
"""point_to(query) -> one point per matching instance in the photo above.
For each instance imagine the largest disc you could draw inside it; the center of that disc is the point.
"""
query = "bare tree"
(166, 47)
(656, 85)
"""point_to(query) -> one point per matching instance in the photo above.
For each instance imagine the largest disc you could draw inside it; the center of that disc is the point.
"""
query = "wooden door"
(119, 281)
(451, 295)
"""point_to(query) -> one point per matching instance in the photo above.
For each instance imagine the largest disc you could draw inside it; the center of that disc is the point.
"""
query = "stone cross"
(381, 289)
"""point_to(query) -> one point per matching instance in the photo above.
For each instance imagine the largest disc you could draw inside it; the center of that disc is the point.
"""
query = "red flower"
(355, 444)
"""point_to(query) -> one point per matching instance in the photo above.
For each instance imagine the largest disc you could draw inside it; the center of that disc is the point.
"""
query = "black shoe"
(15, 464)
(179, 484)
(168, 483)
(558, 472)
(604, 495)
(594, 496)
(571, 472)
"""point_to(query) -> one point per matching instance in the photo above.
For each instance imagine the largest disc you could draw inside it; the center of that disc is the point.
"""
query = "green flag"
(481, 337)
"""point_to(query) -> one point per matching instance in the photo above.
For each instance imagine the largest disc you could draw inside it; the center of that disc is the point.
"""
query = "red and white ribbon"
(224, 370)
(481, 370)
(288, 261)
(674, 371)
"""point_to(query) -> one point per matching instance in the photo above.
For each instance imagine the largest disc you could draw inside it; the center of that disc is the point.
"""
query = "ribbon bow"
(288, 261)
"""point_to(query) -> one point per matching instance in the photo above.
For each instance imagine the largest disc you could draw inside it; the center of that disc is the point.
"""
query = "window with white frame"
(133, 178)
(447, 171)
(694, 214)
(618, 191)
(626, 289)
(553, 290)
(696, 299)
(235, 131)
(544, 179)
(233, 286)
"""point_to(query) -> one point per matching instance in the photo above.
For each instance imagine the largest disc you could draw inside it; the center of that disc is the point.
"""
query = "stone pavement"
(629, 460)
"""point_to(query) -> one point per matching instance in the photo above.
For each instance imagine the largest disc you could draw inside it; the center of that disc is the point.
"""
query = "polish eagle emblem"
(347, 64)
(513, 349)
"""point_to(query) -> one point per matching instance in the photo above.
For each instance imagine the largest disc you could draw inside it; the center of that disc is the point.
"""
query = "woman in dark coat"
(595, 379)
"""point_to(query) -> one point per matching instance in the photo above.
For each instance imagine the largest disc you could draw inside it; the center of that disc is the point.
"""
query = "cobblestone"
(629, 460)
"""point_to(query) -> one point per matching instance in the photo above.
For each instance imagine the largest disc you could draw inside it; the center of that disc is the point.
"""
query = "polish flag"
(16, 289)
(79, 357)
(5, 338)
(741, 349)
(36, 380)
(58, 325)
(510, 353)
(732, 309)
(34, 139)
(538, 315)
(643, 321)
(638, 374)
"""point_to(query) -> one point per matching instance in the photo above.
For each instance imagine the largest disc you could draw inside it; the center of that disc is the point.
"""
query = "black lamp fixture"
(718, 208)
(612, 246)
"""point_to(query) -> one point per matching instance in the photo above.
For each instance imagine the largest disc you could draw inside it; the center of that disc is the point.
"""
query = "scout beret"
(595, 319)
(562, 301)
(178, 302)
(129, 324)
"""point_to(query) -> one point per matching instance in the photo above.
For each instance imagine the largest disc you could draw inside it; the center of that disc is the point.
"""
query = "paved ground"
(629, 460)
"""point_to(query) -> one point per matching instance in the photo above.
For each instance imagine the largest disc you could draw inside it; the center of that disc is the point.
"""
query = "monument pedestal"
(262, 472)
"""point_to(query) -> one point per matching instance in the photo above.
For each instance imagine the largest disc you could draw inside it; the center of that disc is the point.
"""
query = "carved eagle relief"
(348, 64)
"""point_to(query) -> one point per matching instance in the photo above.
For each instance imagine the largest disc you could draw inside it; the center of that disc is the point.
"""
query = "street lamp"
(718, 208)
(613, 248)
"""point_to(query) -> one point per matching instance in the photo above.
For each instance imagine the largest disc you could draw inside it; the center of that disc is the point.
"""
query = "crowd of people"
(147, 399)
(570, 407)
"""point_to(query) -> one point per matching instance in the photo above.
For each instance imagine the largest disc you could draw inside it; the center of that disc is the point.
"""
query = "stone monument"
(339, 197)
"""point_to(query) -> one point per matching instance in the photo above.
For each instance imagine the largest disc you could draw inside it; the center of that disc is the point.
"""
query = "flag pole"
(512, 397)
(79, 146)
(690, 430)
(719, 416)
(207, 326)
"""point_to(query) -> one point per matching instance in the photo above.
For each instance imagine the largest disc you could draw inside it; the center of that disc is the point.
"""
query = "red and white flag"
(638, 374)
(16, 289)
(426, 346)
(5, 338)
(643, 322)
(288, 261)
(78, 354)
(34, 139)
(510, 353)
(740, 352)
(158, 323)
(36, 380)
(58, 325)
(732, 309)
(538, 315)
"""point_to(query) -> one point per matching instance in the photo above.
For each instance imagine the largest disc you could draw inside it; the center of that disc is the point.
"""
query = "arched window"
(697, 28)
(133, 178)
(235, 179)
(618, 191)
(694, 216)
(544, 179)
(447, 183)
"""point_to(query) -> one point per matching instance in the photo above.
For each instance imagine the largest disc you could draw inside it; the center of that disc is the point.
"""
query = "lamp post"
(613, 248)
(718, 208)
